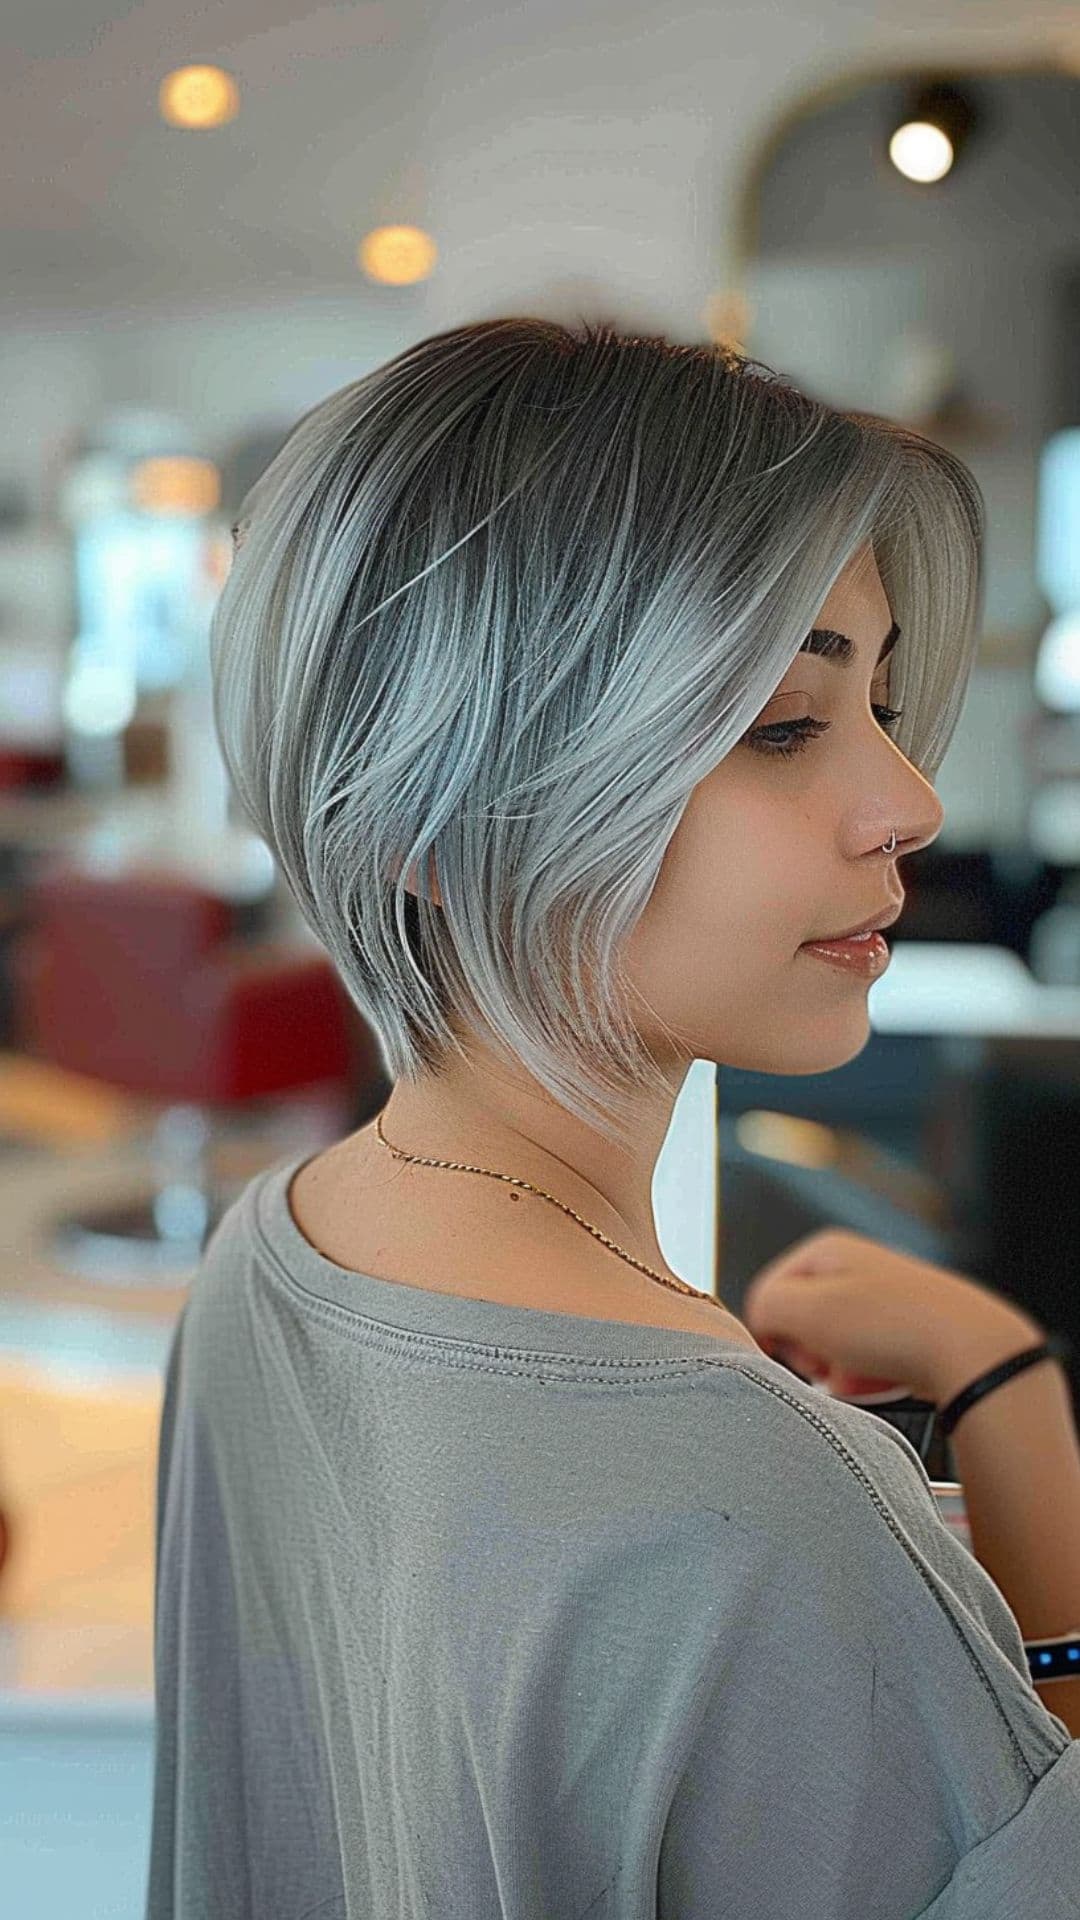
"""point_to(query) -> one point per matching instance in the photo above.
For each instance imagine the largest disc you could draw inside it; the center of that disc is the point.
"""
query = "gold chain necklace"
(456, 1166)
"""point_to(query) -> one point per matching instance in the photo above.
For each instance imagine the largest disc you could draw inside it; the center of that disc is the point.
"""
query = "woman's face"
(776, 849)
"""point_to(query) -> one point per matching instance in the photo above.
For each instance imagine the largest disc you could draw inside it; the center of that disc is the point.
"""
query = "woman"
(579, 683)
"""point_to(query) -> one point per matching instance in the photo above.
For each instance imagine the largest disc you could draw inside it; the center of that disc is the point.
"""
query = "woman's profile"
(582, 685)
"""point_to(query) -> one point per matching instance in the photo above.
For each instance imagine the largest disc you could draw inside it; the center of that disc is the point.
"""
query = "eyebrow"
(839, 649)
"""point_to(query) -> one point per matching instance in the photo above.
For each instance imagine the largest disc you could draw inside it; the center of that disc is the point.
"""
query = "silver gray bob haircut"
(501, 604)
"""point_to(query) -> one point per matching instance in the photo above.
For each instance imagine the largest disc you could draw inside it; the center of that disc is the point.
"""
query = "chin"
(807, 1051)
(824, 1056)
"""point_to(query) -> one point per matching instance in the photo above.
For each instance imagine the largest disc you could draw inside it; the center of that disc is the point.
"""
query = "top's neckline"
(491, 1323)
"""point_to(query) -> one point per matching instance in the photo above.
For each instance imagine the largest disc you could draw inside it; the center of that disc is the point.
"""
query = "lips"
(877, 921)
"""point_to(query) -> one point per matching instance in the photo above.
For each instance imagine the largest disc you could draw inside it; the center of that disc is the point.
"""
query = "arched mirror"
(911, 246)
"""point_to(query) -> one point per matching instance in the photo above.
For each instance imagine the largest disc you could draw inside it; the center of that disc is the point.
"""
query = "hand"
(843, 1309)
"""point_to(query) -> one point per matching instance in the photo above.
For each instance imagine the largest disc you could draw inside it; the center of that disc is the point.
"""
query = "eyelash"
(797, 734)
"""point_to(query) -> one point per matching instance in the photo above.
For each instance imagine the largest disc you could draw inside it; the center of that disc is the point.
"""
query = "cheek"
(767, 867)
(740, 878)
(732, 898)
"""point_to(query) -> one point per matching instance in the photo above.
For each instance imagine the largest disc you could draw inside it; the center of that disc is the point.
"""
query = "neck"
(556, 1153)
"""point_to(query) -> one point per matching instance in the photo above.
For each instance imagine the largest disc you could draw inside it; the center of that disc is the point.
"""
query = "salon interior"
(207, 233)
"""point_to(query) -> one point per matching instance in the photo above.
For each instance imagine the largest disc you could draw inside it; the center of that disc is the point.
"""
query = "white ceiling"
(103, 202)
(549, 142)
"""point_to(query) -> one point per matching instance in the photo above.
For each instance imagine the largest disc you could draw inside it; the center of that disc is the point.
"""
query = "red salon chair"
(137, 979)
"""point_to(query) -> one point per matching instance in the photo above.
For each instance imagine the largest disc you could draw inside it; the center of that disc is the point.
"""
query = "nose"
(923, 822)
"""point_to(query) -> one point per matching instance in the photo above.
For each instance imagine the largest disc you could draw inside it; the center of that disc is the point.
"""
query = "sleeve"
(1029, 1868)
(869, 1742)
(159, 1881)
(166, 1440)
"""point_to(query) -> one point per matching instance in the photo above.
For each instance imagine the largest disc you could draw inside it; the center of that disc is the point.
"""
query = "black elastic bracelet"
(1056, 1346)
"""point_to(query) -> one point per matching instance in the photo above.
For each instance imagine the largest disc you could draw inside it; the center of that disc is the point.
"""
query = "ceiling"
(521, 136)
(103, 202)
